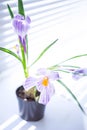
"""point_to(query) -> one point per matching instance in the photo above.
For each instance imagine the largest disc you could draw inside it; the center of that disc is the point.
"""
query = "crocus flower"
(77, 74)
(21, 26)
(43, 84)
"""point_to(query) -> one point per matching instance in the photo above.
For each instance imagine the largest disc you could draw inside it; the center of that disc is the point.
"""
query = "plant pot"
(29, 110)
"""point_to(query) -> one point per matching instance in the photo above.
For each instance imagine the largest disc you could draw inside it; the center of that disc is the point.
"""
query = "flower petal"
(44, 99)
(28, 19)
(39, 85)
(50, 74)
(21, 25)
(20, 17)
(42, 71)
(51, 89)
(23, 42)
(53, 75)
(46, 94)
(77, 74)
(29, 83)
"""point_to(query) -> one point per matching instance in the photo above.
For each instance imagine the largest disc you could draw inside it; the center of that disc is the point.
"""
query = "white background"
(61, 113)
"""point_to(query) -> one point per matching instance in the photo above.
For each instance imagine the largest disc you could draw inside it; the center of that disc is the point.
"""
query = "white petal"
(42, 71)
(51, 89)
(29, 83)
(39, 85)
(50, 74)
(53, 75)
(44, 98)
(46, 94)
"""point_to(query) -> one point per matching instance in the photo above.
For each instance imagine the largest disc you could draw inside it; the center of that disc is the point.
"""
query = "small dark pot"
(30, 110)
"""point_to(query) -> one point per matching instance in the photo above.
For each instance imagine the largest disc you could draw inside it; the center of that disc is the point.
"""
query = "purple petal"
(20, 17)
(29, 83)
(46, 94)
(21, 25)
(44, 99)
(77, 74)
(51, 89)
(39, 85)
(42, 71)
(53, 75)
(23, 42)
(28, 19)
(50, 74)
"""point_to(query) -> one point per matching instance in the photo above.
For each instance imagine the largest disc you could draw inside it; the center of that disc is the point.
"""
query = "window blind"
(44, 15)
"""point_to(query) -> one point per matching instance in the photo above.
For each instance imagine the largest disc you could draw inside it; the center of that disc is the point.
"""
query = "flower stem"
(24, 61)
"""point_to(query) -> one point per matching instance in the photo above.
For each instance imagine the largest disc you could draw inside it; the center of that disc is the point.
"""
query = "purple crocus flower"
(43, 84)
(21, 26)
(77, 74)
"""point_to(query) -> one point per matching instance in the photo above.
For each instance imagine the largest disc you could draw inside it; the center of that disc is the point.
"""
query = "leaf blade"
(11, 53)
(21, 8)
(59, 64)
(74, 57)
(72, 95)
(43, 52)
(10, 11)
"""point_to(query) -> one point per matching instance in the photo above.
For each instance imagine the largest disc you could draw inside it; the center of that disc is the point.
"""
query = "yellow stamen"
(45, 81)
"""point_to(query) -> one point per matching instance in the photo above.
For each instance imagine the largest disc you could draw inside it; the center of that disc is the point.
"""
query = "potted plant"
(37, 91)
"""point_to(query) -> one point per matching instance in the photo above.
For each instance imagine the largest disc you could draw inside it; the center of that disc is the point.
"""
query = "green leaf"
(58, 67)
(70, 66)
(21, 8)
(65, 68)
(43, 52)
(65, 71)
(10, 52)
(72, 95)
(74, 57)
(10, 11)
